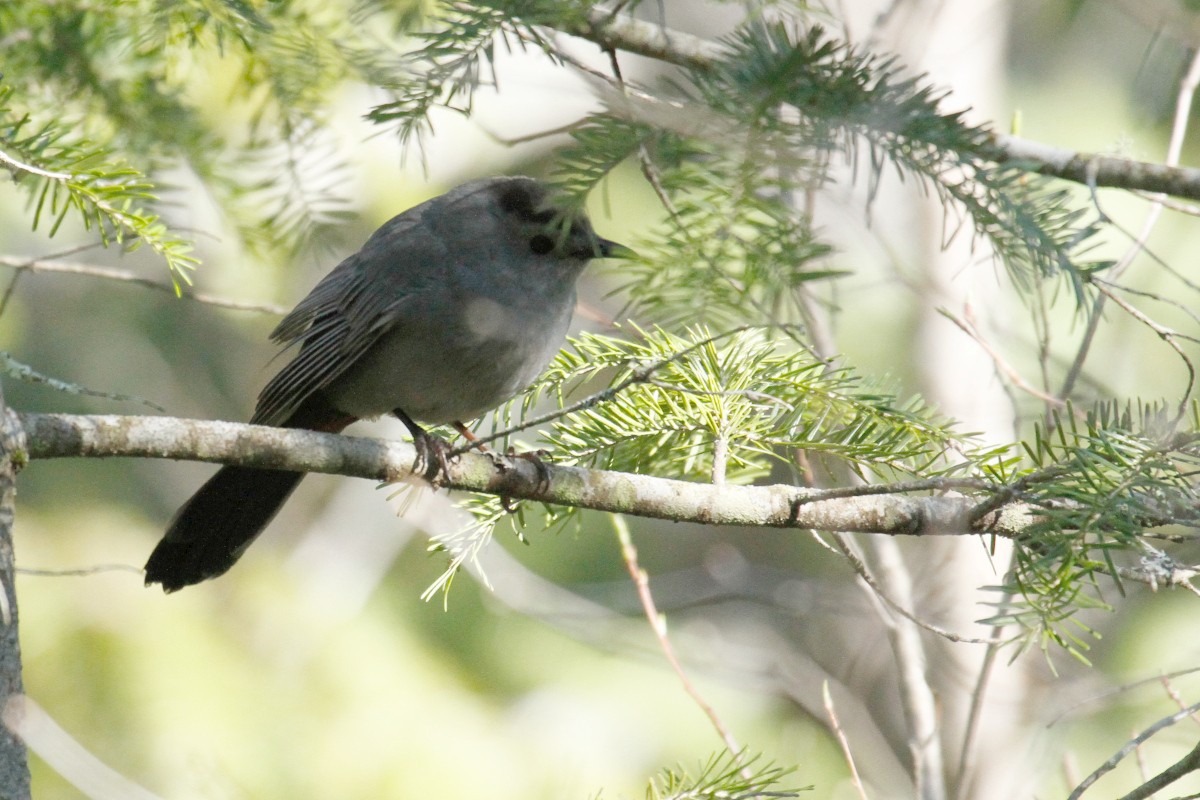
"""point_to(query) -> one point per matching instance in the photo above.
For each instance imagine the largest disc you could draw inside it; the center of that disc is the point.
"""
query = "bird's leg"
(473, 442)
(431, 451)
(470, 437)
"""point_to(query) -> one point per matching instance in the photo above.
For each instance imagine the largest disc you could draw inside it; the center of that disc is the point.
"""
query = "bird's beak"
(610, 249)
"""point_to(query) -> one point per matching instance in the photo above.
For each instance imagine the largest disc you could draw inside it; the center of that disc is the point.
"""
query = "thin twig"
(1182, 308)
(23, 372)
(107, 273)
(968, 327)
(1167, 335)
(658, 624)
(1189, 763)
(1139, 757)
(1128, 747)
(80, 571)
(924, 733)
(11, 289)
(529, 137)
(1191, 209)
(843, 742)
(65, 755)
(15, 164)
(843, 548)
(1158, 568)
(982, 680)
(1117, 690)
(1174, 695)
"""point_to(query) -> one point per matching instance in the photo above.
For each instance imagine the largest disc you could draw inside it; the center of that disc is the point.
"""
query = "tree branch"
(14, 765)
(1186, 765)
(1095, 169)
(22, 264)
(1189, 763)
(779, 506)
(623, 32)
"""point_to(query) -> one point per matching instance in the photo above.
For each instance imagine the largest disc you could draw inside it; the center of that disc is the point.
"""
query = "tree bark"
(863, 509)
(14, 761)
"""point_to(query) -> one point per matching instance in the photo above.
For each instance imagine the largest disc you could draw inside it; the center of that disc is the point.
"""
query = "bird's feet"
(535, 457)
(433, 457)
(433, 453)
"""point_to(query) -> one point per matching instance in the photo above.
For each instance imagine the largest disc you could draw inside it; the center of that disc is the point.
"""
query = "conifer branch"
(778, 506)
(624, 32)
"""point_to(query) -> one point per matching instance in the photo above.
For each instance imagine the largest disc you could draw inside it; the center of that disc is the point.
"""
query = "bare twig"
(1128, 747)
(1093, 169)
(1181, 307)
(843, 548)
(975, 712)
(658, 624)
(107, 273)
(1190, 209)
(63, 752)
(1139, 757)
(967, 326)
(15, 165)
(80, 571)
(1174, 695)
(1161, 572)
(1167, 335)
(916, 694)
(21, 371)
(529, 137)
(1189, 763)
(843, 742)
(1118, 690)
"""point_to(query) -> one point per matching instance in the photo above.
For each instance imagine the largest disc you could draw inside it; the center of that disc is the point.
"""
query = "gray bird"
(449, 309)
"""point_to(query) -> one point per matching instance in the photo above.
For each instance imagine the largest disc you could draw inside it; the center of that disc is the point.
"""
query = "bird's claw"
(432, 457)
(535, 457)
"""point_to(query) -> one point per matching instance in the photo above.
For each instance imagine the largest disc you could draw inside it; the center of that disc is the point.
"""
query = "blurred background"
(314, 669)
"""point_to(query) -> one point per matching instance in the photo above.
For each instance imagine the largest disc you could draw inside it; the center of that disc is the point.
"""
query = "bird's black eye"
(541, 244)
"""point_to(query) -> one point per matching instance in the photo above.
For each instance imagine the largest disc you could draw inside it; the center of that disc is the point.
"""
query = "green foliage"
(109, 98)
(727, 407)
(733, 141)
(731, 145)
(725, 775)
(843, 99)
(459, 46)
(1095, 483)
(64, 174)
(745, 132)
(760, 396)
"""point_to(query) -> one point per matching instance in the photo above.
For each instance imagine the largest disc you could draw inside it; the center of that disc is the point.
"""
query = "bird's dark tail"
(212, 529)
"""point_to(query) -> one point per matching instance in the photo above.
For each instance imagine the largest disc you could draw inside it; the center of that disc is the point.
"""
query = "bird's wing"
(344, 315)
